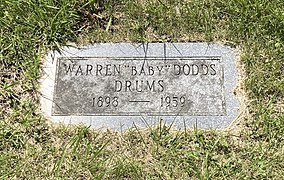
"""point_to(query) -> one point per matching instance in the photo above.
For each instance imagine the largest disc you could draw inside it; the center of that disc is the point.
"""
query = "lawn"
(31, 147)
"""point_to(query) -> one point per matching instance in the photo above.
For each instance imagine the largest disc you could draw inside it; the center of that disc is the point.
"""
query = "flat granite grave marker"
(117, 85)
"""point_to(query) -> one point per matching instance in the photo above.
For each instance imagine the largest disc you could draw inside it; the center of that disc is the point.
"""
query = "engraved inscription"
(191, 86)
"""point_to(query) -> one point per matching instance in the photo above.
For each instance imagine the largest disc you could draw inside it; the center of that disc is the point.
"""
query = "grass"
(32, 148)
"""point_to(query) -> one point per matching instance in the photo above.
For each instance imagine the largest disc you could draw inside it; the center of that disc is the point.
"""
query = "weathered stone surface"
(116, 85)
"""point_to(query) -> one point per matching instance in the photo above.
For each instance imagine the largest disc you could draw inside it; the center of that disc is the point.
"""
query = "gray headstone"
(117, 85)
